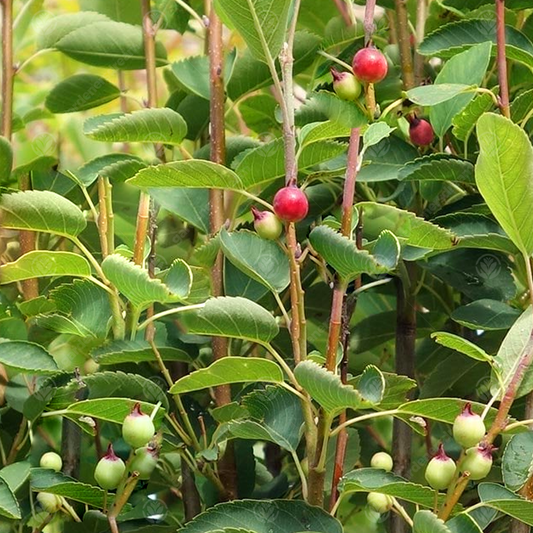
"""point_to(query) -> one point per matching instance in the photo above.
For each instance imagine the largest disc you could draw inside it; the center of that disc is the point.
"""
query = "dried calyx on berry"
(370, 65)
(291, 204)
(478, 461)
(440, 471)
(145, 461)
(382, 460)
(381, 503)
(420, 131)
(267, 224)
(468, 427)
(345, 85)
(137, 428)
(109, 470)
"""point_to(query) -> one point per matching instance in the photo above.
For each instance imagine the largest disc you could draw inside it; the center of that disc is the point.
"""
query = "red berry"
(370, 65)
(420, 131)
(291, 204)
(267, 224)
(345, 85)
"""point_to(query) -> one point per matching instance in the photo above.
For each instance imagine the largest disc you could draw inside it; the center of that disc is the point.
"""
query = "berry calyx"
(478, 462)
(291, 204)
(420, 131)
(109, 470)
(52, 461)
(345, 85)
(381, 503)
(267, 224)
(370, 65)
(440, 471)
(49, 502)
(137, 428)
(468, 428)
(382, 460)
(144, 461)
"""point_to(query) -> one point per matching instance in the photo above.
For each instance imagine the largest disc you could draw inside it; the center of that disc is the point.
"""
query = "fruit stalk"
(501, 59)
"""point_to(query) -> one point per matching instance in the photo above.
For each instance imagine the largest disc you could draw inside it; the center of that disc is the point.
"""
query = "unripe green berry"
(51, 460)
(346, 85)
(478, 462)
(49, 502)
(109, 470)
(381, 503)
(267, 224)
(137, 428)
(468, 428)
(382, 460)
(144, 462)
(440, 471)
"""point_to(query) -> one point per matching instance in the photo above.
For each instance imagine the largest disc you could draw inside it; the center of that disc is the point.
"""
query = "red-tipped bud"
(291, 204)
(478, 461)
(420, 131)
(109, 470)
(468, 428)
(370, 65)
(345, 85)
(440, 471)
(137, 428)
(267, 224)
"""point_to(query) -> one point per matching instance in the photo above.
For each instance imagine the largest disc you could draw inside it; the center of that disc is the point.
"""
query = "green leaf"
(134, 282)
(517, 461)
(158, 125)
(191, 173)
(27, 358)
(109, 44)
(463, 523)
(438, 167)
(326, 388)
(465, 121)
(486, 314)
(193, 73)
(468, 68)
(120, 352)
(9, 507)
(376, 480)
(453, 38)
(454, 342)
(40, 264)
(83, 309)
(45, 480)
(514, 345)
(15, 475)
(427, 522)
(109, 409)
(61, 25)
(281, 516)
(232, 317)
(521, 106)
(504, 176)
(41, 211)
(115, 167)
(505, 501)
(178, 279)
(262, 23)
(343, 255)
(259, 258)
(80, 92)
(371, 385)
(229, 370)
(322, 131)
(6, 160)
(375, 133)
(386, 250)
(429, 95)
(405, 225)
(119, 10)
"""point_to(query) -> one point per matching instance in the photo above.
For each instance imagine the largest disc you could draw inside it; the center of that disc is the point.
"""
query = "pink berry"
(266, 224)
(345, 85)
(370, 65)
(291, 204)
(420, 132)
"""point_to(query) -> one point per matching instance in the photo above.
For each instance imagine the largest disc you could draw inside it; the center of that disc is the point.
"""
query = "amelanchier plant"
(286, 283)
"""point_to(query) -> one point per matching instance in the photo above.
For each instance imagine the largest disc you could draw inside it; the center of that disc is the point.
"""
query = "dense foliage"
(266, 266)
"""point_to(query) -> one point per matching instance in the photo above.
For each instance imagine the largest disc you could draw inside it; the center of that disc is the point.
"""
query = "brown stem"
(453, 498)
(406, 58)
(341, 6)
(405, 365)
(103, 226)
(123, 496)
(368, 23)
(501, 59)
(70, 447)
(17, 442)
(393, 35)
(421, 15)
(191, 498)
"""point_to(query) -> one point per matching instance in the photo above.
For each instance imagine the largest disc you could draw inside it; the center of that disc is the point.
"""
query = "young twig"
(404, 43)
